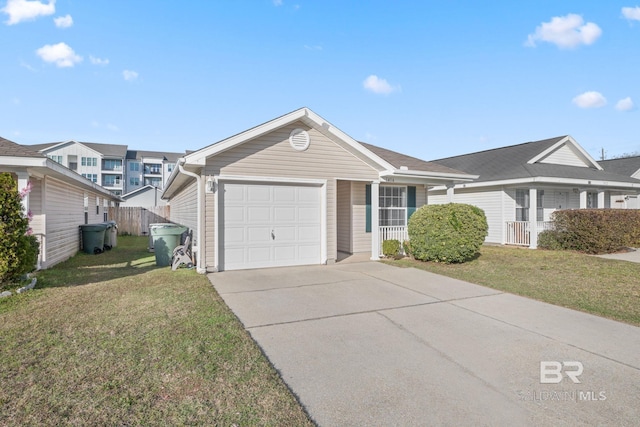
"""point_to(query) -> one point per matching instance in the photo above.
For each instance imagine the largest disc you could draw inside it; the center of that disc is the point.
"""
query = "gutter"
(199, 268)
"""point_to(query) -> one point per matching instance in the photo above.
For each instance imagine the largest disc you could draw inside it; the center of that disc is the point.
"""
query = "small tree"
(450, 233)
(18, 250)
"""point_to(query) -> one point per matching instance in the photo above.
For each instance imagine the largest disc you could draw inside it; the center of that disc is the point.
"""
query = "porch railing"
(395, 232)
(518, 232)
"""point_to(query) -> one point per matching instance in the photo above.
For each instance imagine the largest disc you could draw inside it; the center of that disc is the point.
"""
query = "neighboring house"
(113, 166)
(296, 190)
(149, 168)
(60, 200)
(520, 186)
(629, 166)
(144, 197)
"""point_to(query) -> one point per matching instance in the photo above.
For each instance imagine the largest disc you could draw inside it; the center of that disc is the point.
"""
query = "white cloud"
(63, 21)
(590, 99)
(27, 66)
(24, 10)
(129, 75)
(631, 13)
(625, 104)
(277, 2)
(98, 61)
(565, 32)
(60, 54)
(375, 84)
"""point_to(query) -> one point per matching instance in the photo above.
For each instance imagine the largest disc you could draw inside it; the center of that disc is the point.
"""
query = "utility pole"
(602, 154)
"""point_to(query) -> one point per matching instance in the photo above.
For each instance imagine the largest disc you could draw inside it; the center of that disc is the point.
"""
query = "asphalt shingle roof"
(11, 149)
(511, 163)
(412, 163)
(626, 166)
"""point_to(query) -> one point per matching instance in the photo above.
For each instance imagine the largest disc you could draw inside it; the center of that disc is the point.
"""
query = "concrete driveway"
(369, 344)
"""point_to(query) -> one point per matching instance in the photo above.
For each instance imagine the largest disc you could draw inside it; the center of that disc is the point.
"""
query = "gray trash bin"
(113, 230)
(165, 239)
(107, 236)
(93, 238)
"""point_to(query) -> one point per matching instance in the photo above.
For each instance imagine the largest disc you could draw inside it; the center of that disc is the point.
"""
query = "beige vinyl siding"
(361, 239)
(94, 215)
(566, 155)
(271, 155)
(64, 207)
(184, 207)
(37, 223)
(344, 216)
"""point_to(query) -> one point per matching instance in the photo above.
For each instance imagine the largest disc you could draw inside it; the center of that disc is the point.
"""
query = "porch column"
(583, 199)
(533, 218)
(375, 221)
(601, 199)
(23, 181)
(450, 193)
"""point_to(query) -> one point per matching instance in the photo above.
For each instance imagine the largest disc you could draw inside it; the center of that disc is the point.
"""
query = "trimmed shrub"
(18, 252)
(391, 248)
(550, 239)
(450, 233)
(597, 231)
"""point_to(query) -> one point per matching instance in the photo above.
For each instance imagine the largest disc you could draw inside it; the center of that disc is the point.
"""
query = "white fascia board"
(56, 146)
(270, 179)
(546, 180)
(200, 157)
(23, 161)
(436, 176)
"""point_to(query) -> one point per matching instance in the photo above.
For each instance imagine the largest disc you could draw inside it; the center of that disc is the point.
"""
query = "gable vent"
(299, 139)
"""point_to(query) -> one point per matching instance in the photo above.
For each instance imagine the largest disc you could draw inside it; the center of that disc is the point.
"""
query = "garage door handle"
(273, 235)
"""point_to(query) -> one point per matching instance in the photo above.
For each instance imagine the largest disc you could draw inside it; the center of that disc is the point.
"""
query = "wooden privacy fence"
(135, 220)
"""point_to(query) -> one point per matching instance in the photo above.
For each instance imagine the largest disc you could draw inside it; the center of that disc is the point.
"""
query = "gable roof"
(629, 166)
(522, 161)
(107, 150)
(399, 160)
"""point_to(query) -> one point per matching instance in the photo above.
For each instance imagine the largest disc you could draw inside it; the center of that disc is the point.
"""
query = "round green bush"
(451, 233)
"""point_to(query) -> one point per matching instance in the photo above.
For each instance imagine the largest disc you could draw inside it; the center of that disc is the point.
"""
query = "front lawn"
(112, 339)
(599, 286)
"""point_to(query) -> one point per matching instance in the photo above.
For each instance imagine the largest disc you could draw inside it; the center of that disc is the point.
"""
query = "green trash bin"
(93, 238)
(165, 239)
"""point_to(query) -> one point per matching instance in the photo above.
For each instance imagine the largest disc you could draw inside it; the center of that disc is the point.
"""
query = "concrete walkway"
(632, 256)
(368, 344)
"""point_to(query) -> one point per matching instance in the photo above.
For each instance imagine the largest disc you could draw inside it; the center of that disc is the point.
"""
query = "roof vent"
(299, 139)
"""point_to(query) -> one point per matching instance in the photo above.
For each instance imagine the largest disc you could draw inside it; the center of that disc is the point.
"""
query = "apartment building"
(112, 166)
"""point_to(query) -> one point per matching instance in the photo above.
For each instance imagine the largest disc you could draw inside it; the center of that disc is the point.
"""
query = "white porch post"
(23, 181)
(375, 221)
(583, 199)
(601, 199)
(533, 218)
(450, 192)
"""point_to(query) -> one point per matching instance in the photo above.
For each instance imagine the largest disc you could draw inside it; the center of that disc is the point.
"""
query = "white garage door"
(269, 225)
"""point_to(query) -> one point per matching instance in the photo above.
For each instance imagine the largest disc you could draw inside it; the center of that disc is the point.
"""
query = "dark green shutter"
(411, 201)
(368, 208)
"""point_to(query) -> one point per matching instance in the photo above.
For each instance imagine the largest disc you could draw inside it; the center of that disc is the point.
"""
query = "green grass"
(604, 287)
(112, 339)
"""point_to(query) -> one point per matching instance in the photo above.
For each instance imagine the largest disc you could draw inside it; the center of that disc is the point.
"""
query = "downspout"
(199, 267)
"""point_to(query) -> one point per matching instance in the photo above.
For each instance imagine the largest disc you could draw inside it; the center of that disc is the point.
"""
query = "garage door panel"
(308, 233)
(284, 213)
(258, 235)
(284, 194)
(258, 193)
(270, 225)
(308, 215)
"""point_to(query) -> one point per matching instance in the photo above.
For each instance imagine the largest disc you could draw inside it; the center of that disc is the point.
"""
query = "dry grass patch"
(114, 340)
(604, 287)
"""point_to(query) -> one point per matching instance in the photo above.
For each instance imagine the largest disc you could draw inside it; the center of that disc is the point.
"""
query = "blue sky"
(427, 78)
